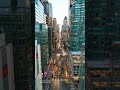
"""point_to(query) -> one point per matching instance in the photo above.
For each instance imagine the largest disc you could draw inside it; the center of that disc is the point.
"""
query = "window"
(96, 24)
(112, 3)
(96, 14)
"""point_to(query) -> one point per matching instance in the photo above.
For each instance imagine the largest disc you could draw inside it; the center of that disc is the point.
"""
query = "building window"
(96, 14)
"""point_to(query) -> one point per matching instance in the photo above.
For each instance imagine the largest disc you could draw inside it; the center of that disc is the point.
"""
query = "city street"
(59, 84)
(59, 72)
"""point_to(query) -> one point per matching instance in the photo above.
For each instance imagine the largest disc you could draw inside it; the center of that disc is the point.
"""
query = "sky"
(60, 10)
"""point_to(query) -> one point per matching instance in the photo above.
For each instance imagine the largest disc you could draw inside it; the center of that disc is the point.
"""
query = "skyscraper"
(48, 12)
(15, 19)
(77, 24)
(49, 21)
(40, 16)
(103, 44)
(44, 46)
(50, 40)
(41, 33)
(51, 14)
(64, 32)
(55, 32)
(77, 40)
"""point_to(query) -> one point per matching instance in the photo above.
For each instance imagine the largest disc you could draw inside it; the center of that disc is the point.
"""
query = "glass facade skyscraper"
(15, 20)
(77, 24)
(49, 21)
(41, 32)
(44, 46)
(77, 40)
(103, 44)
(40, 16)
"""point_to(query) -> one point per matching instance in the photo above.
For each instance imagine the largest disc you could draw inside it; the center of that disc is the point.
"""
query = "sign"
(36, 55)
(5, 72)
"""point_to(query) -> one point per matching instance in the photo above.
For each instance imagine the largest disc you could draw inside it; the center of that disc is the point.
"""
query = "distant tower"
(64, 31)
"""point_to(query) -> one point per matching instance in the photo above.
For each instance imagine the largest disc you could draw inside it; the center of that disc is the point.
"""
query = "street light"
(76, 78)
(58, 55)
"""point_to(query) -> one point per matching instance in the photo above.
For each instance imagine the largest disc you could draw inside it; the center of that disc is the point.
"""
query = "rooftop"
(65, 18)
